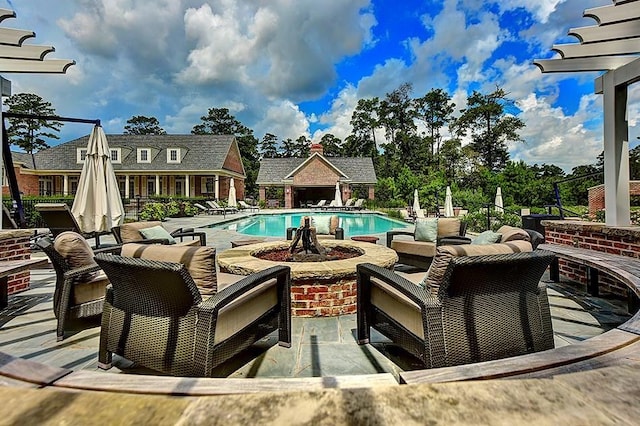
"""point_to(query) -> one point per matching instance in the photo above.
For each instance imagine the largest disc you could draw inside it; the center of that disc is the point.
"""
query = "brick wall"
(28, 184)
(316, 173)
(316, 298)
(14, 245)
(596, 196)
(596, 237)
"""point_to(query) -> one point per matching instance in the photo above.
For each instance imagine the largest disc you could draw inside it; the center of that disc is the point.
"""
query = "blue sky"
(299, 67)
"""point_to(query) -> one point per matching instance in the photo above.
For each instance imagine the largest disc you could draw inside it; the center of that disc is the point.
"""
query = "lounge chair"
(218, 208)
(348, 205)
(202, 208)
(80, 283)
(134, 232)
(482, 303)
(155, 316)
(319, 205)
(9, 223)
(359, 204)
(406, 215)
(246, 206)
(59, 218)
(332, 205)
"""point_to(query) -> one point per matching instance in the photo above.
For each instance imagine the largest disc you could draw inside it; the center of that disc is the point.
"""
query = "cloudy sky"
(298, 67)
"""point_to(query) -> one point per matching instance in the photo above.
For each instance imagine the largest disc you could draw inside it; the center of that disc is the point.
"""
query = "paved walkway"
(321, 346)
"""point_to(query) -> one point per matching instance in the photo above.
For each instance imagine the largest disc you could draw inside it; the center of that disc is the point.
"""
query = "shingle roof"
(198, 152)
(358, 169)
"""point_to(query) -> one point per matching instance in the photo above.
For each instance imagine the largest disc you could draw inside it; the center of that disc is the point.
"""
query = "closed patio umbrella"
(231, 202)
(416, 203)
(97, 206)
(498, 201)
(448, 203)
(338, 196)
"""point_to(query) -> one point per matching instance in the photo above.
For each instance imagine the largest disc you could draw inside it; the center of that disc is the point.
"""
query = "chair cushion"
(322, 224)
(398, 306)
(511, 233)
(486, 237)
(76, 251)
(157, 233)
(334, 224)
(91, 290)
(418, 248)
(199, 261)
(426, 230)
(444, 254)
(130, 232)
(448, 226)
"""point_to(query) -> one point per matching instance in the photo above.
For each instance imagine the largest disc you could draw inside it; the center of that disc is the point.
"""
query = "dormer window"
(144, 155)
(116, 155)
(81, 154)
(173, 155)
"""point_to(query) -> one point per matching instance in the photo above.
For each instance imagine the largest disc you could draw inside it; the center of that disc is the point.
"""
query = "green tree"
(435, 110)
(450, 158)
(141, 125)
(29, 133)
(269, 146)
(219, 121)
(364, 122)
(331, 145)
(490, 127)
(302, 147)
(288, 148)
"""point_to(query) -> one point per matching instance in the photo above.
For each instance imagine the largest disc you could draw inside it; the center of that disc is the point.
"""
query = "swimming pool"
(275, 225)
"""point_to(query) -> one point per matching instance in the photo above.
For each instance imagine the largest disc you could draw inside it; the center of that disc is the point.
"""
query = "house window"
(208, 185)
(45, 185)
(115, 155)
(173, 155)
(81, 154)
(151, 186)
(144, 156)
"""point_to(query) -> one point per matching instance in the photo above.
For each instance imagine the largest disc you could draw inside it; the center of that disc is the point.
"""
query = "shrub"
(477, 221)
(153, 211)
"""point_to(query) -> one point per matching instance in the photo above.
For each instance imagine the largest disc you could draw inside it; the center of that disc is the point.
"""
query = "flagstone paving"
(321, 346)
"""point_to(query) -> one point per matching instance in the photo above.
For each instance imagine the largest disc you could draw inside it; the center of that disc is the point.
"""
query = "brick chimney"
(317, 147)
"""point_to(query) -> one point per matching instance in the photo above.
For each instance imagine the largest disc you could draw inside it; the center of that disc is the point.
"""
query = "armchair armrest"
(415, 293)
(187, 233)
(391, 234)
(453, 240)
(113, 249)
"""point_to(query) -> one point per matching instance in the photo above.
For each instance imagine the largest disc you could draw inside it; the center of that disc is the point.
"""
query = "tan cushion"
(225, 279)
(510, 233)
(333, 224)
(417, 248)
(199, 261)
(406, 312)
(90, 290)
(444, 254)
(130, 232)
(244, 310)
(76, 251)
(189, 242)
(448, 227)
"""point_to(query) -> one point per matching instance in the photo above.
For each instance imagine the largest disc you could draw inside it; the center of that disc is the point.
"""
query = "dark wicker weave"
(178, 233)
(487, 307)
(154, 316)
(66, 278)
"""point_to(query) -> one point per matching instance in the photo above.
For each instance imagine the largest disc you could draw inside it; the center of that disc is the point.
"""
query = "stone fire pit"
(317, 288)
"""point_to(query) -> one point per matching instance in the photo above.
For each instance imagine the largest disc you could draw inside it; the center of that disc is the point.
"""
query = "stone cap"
(8, 234)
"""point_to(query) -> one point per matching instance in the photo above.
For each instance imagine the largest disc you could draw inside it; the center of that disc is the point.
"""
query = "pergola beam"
(50, 66)
(605, 48)
(607, 15)
(599, 63)
(25, 52)
(597, 33)
(14, 37)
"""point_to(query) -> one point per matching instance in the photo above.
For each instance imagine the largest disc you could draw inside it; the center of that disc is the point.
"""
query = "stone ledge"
(584, 226)
(7, 234)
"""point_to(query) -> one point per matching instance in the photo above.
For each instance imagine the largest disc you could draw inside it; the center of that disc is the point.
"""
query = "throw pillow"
(322, 224)
(426, 230)
(486, 237)
(157, 233)
(76, 251)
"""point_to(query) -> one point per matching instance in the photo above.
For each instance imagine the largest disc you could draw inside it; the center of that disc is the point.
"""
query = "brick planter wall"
(623, 241)
(14, 245)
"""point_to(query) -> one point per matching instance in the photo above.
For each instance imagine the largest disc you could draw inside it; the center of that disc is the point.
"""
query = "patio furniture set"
(168, 309)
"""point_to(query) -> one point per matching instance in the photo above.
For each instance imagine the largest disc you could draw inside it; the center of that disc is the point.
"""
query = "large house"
(314, 178)
(145, 165)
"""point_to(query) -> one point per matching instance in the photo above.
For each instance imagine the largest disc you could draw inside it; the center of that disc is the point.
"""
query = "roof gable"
(315, 157)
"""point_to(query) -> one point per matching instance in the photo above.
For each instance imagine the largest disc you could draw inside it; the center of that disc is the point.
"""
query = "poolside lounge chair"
(80, 284)
(246, 206)
(348, 205)
(358, 205)
(320, 204)
(217, 208)
(134, 232)
(155, 316)
(202, 208)
(59, 218)
(332, 205)
(480, 303)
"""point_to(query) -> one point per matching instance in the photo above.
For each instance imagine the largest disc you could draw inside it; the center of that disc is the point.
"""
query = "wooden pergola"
(16, 57)
(612, 46)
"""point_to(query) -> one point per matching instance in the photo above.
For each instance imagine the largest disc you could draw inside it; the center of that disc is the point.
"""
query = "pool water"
(275, 225)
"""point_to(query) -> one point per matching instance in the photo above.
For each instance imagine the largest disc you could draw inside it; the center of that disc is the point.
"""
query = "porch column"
(288, 197)
(616, 152)
(216, 187)
(186, 185)
(372, 194)
(157, 184)
(126, 186)
(65, 184)
(262, 193)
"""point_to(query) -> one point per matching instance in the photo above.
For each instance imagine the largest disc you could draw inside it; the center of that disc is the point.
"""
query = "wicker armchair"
(154, 316)
(130, 233)
(486, 307)
(80, 285)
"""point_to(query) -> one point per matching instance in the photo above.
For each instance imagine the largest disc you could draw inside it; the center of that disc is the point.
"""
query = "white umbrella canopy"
(231, 202)
(97, 206)
(448, 203)
(498, 201)
(416, 202)
(338, 196)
